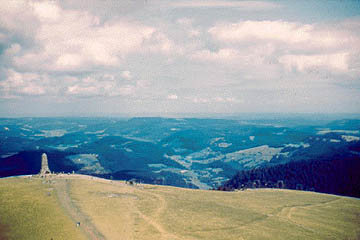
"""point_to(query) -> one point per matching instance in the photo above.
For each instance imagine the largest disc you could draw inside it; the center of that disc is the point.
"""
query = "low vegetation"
(116, 210)
(29, 209)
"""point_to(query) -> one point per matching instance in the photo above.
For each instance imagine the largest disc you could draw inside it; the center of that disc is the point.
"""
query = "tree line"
(339, 175)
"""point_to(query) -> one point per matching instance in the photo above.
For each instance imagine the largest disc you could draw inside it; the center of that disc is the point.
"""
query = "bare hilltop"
(74, 206)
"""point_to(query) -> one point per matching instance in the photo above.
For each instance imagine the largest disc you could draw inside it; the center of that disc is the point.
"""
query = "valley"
(184, 152)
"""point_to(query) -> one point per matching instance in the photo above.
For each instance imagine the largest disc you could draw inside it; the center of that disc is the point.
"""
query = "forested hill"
(336, 176)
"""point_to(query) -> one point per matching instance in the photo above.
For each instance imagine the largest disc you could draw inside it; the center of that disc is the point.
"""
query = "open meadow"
(84, 207)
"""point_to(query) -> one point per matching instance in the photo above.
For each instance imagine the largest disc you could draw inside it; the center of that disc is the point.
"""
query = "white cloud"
(13, 49)
(263, 30)
(213, 100)
(124, 90)
(289, 45)
(337, 62)
(287, 35)
(20, 84)
(187, 25)
(17, 17)
(68, 60)
(172, 97)
(82, 90)
(200, 100)
(17, 84)
(160, 43)
(226, 54)
(185, 21)
(249, 57)
(74, 52)
(126, 74)
(193, 33)
(83, 44)
(290, 33)
(46, 11)
(99, 86)
(243, 5)
(225, 99)
(75, 40)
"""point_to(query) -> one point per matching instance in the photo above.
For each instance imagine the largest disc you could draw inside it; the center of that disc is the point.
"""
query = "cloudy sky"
(110, 57)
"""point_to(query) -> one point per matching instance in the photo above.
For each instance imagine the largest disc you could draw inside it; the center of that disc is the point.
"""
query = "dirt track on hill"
(62, 187)
(162, 206)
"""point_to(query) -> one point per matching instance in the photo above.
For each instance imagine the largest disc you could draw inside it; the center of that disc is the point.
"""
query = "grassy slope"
(30, 210)
(158, 212)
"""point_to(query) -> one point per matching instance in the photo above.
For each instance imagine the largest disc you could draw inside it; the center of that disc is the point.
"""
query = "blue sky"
(111, 57)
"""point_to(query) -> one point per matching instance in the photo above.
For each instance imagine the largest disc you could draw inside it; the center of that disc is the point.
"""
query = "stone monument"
(44, 165)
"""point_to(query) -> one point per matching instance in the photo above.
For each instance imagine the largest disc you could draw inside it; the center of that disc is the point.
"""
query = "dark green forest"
(335, 176)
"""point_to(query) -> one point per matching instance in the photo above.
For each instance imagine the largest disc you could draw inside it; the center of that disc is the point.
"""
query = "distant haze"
(178, 58)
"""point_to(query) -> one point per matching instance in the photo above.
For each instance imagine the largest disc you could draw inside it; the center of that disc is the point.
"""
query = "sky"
(143, 57)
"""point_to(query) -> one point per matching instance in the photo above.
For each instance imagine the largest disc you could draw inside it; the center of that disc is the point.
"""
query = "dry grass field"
(29, 209)
(33, 208)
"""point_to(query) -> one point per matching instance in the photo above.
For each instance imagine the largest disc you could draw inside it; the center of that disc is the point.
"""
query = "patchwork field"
(84, 207)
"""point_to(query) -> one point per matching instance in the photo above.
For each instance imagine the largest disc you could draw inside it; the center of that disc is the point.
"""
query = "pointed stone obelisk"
(44, 165)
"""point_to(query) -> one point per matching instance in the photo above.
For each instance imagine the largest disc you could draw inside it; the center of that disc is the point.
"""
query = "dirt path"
(62, 187)
(162, 206)
(286, 212)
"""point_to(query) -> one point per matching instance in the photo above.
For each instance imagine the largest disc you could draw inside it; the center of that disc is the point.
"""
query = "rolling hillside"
(34, 208)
